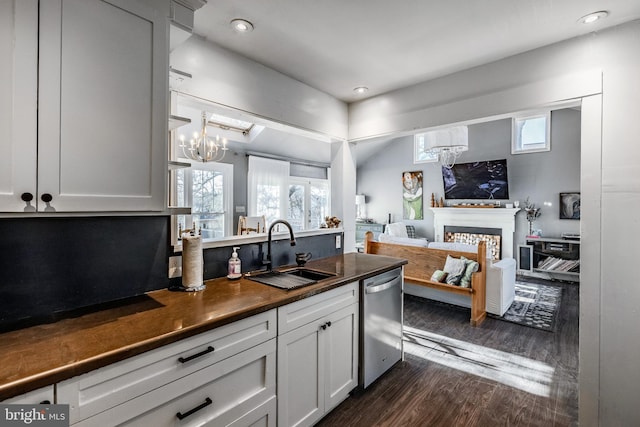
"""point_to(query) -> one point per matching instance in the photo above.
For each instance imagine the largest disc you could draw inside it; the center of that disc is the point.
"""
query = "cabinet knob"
(26, 197)
(329, 324)
(46, 197)
(323, 327)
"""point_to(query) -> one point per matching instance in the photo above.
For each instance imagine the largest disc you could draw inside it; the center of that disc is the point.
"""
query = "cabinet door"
(40, 396)
(217, 395)
(103, 79)
(301, 375)
(341, 344)
(18, 101)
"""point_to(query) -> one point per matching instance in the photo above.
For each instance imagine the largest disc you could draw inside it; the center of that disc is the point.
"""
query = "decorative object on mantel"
(532, 213)
(433, 200)
(441, 204)
(332, 221)
(467, 205)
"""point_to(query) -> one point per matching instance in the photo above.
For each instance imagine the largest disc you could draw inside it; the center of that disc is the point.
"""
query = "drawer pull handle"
(206, 403)
(46, 402)
(193, 356)
(329, 324)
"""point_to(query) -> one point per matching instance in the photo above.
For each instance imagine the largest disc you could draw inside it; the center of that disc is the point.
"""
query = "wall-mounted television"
(486, 180)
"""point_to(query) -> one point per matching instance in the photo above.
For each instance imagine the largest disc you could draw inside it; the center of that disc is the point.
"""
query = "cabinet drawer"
(112, 385)
(224, 392)
(33, 397)
(299, 313)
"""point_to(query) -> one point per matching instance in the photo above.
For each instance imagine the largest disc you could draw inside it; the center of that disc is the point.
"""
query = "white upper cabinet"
(102, 87)
(18, 102)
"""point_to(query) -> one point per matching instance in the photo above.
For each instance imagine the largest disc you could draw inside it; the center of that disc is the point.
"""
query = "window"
(208, 189)
(308, 203)
(531, 133)
(273, 192)
(420, 154)
(267, 184)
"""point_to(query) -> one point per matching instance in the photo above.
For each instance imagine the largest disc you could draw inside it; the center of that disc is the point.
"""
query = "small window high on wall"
(531, 133)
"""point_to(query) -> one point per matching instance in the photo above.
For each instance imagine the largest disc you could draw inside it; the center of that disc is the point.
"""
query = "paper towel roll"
(192, 262)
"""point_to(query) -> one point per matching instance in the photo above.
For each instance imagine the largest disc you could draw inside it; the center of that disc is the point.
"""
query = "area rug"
(535, 305)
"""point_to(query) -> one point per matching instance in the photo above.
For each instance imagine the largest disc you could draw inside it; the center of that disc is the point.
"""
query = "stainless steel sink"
(290, 278)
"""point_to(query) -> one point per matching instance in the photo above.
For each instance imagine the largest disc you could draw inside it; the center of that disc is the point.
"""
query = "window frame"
(307, 183)
(227, 171)
(516, 135)
(418, 149)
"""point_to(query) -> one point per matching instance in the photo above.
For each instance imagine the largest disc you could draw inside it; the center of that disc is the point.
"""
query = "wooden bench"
(423, 262)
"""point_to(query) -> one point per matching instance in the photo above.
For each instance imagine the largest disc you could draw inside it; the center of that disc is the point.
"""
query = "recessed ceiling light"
(360, 90)
(242, 25)
(593, 17)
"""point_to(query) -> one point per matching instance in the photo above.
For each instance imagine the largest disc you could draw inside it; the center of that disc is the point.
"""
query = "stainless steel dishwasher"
(381, 327)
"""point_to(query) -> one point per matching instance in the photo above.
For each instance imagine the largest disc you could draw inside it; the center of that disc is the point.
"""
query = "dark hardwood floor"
(497, 374)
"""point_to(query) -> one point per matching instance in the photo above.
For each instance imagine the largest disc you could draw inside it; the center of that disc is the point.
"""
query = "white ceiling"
(336, 45)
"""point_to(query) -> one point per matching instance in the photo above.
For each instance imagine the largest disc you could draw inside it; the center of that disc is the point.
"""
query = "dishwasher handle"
(383, 286)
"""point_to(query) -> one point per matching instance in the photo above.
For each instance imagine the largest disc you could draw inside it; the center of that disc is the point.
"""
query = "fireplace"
(473, 235)
(503, 219)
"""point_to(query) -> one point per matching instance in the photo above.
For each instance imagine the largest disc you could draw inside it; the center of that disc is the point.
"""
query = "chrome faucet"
(292, 240)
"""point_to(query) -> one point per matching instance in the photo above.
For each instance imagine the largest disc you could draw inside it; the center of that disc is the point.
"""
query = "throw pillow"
(471, 267)
(455, 268)
(439, 276)
(397, 229)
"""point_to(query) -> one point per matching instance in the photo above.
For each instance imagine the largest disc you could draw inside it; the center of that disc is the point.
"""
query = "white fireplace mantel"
(502, 218)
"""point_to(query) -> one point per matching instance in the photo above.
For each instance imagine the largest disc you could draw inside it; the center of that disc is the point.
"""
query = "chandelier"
(447, 144)
(202, 147)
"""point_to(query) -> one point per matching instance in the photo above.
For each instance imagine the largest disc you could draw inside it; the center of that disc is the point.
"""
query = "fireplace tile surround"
(497, 218)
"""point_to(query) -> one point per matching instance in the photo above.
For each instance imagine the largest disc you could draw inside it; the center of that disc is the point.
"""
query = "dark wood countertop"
(41, 355)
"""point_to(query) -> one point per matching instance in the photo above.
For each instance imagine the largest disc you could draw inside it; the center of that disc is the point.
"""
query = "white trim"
(516, 136)
(502, 218)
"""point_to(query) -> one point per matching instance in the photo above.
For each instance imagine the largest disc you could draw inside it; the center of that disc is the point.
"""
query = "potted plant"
(532, 213)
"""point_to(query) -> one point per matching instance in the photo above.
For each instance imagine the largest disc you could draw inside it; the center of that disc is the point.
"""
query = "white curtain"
(267, 188)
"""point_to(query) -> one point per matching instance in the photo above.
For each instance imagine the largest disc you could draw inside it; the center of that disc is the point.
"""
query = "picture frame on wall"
(412, 195)
(570, 205)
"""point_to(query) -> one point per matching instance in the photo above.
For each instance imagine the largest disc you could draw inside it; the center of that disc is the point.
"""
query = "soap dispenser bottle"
(235, 265)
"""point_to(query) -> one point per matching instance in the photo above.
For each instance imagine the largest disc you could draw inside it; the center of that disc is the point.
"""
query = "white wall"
(609, 337)
(229, 79)
(539, 176)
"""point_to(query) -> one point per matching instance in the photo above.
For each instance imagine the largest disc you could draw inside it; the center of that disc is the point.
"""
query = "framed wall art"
(570, 205)
(412, 195)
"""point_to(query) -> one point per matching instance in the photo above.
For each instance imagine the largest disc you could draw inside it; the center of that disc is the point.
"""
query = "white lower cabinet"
(40, 396)
(318, 361)
(235, 392)
(226, 376)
